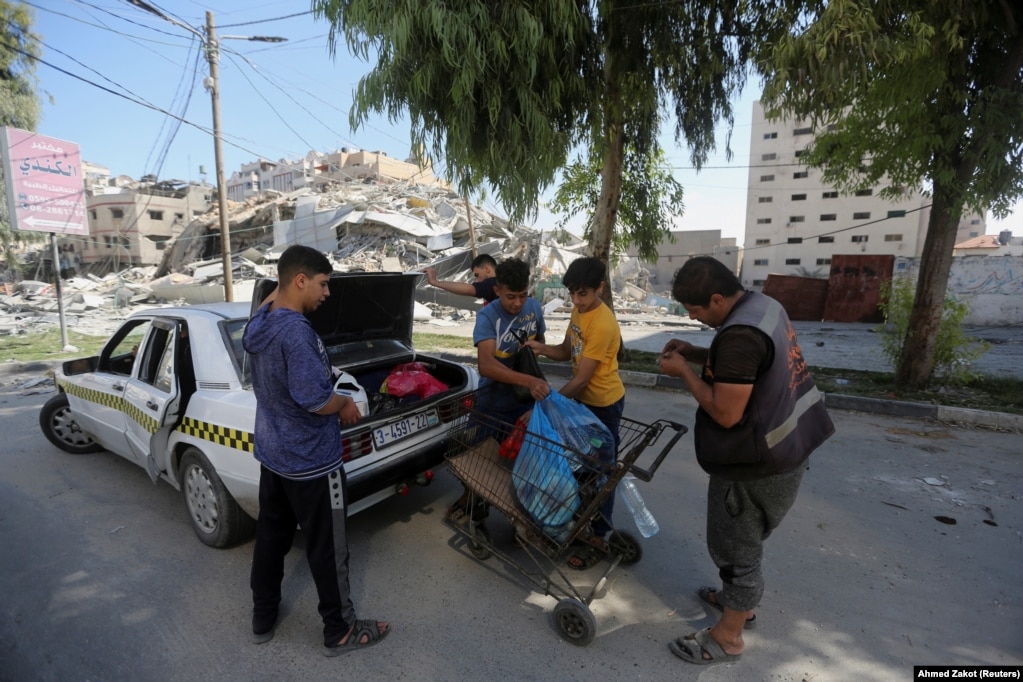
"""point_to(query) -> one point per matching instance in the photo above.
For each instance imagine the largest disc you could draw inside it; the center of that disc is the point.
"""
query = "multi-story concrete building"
(688, 243)
(130, 222)
(795, 223)
(317, 168)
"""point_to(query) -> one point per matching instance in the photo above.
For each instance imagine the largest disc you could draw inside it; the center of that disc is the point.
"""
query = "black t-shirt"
(485, 289)
(741, 355)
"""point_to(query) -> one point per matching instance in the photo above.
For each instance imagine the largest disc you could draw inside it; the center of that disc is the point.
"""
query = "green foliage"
(909, 95)
(19, 105)
(651, 198)
(954, 352)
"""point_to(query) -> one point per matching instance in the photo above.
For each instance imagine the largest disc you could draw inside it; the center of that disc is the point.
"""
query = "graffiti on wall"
(972, 275)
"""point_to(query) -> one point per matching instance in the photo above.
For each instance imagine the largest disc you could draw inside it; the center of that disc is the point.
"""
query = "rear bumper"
(389, 475)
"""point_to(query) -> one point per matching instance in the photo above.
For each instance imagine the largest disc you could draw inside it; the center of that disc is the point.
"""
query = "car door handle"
(118, 387)
(151, 405)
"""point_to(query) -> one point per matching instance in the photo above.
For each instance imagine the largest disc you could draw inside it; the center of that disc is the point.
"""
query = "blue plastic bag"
(543, 478)
(578, 428)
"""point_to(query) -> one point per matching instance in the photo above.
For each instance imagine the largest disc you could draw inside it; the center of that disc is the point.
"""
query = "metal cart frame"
(492, 482)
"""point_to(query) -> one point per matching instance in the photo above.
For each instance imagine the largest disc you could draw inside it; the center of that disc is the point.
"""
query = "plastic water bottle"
(645, 521)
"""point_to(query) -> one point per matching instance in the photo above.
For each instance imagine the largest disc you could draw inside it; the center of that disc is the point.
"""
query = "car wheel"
(216, 517)
(61, 429)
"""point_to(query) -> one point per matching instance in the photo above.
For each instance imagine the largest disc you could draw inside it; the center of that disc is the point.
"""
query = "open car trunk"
(366, 326)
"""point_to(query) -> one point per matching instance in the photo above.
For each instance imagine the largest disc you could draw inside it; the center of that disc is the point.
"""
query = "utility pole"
(212, 54)
(212, 47)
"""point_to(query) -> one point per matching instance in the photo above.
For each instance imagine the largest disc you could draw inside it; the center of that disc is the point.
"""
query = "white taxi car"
(170, 391)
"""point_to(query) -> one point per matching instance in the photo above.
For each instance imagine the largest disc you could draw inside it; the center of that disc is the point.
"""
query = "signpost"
(45, 192)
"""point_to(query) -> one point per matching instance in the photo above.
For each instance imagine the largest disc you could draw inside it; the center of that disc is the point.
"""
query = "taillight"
(355, 445)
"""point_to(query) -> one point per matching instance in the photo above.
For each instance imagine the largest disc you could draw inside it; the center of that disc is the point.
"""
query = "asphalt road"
(103, 579)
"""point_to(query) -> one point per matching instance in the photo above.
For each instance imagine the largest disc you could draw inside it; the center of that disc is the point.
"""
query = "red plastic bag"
(412, 378)
(511, 445)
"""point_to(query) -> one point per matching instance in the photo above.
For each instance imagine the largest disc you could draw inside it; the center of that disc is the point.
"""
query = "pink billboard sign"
(45, 186)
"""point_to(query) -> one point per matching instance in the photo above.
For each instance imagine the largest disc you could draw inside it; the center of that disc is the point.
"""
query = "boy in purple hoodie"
(298, 445)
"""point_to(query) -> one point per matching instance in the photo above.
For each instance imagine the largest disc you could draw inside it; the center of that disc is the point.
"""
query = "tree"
(504, 91)
(921, 91)
(19, 106)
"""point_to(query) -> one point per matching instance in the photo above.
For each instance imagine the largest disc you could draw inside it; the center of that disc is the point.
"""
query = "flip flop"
(363, 628)
(704, 594)
(692, 648)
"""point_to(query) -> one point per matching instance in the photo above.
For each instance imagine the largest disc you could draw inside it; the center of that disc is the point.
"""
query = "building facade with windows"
(130, 222)
(795, 223)
(318, 168)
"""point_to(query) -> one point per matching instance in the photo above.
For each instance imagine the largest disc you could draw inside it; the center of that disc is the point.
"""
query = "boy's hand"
(349, 414)
(431, 275)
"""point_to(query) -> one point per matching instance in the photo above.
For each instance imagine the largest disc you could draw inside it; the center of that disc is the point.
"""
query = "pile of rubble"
(362, 227)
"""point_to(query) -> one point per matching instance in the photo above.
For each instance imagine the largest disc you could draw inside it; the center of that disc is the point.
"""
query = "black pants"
(319, 506)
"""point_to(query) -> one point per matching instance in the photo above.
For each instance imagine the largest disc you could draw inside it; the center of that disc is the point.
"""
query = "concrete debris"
(362, 227)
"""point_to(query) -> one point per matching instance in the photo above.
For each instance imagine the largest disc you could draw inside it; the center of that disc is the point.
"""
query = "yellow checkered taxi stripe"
(221, 435)
(214, 433)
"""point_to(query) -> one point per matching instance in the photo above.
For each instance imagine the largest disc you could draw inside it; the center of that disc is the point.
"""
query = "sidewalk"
(844, 345)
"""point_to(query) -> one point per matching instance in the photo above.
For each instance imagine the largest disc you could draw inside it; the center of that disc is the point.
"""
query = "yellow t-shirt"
(596, 335)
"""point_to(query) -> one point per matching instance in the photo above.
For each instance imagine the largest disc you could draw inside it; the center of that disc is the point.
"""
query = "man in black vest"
(760, 416)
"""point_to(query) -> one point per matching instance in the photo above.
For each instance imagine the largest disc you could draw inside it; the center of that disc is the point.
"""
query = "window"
(795, 240)
(796, 218)
(830, 195)
(800, 152)
(792, 261)
(859, 238)
(974, 234)
(768, 157)
(117, 213)
(758, 282)
(825, 217)
(800, 174)
(766, 178)
(861, 215)
(106, 240)
(975, 221)
(92, 214)
(179, 216)
(803, 131)
(156, 215)
(864, 192)
(798, 197)
(831, 126)
(897, 214)
(829, 239)
(760, 242)
(760, 261)
(196, 212)
(764, 200)
(763, 221)
(770, 136)
(823, 261)
(893, 237)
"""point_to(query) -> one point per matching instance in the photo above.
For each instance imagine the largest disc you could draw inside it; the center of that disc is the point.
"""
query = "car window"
(234, 330)
(157, 367)
(118, 355)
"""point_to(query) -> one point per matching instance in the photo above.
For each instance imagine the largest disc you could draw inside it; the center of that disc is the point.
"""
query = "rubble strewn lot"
(361, 226)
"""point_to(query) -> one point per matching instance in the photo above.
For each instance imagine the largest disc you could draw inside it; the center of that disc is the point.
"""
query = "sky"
(111, 71)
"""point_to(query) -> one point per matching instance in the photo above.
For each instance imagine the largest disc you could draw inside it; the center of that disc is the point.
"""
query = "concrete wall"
(992, 285)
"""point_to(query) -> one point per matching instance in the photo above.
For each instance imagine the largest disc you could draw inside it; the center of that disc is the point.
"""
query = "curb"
(836, 401)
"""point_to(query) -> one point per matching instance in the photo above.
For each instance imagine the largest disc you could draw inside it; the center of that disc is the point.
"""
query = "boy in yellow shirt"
(591, 343)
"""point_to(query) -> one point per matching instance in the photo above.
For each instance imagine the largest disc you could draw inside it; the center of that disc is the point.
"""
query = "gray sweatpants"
(740, 516)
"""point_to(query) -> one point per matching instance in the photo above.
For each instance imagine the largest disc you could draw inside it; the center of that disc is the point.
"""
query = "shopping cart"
(551, 494)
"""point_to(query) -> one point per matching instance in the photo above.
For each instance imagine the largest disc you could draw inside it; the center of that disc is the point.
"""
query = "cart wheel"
(575, 622)
(624, 545)
(481, 549)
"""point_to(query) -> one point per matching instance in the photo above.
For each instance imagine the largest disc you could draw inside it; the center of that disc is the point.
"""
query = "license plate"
(403, 428)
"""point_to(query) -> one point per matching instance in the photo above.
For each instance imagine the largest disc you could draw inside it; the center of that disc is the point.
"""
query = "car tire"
(61, 429)
(215, 516)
